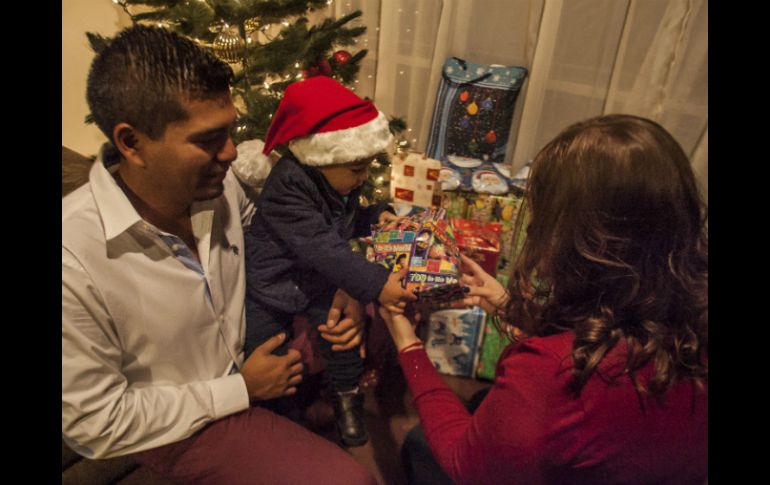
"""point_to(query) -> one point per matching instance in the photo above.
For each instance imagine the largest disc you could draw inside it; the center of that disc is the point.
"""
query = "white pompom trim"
(343, 146)
(252, 166)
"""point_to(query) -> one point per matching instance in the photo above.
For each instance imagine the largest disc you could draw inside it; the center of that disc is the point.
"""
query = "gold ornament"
(229, 46)
(251, 25)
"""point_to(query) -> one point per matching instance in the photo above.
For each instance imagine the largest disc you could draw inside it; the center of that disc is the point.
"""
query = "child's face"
(346, 177)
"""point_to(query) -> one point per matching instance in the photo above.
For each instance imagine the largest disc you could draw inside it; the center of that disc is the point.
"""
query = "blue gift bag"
(474, 110)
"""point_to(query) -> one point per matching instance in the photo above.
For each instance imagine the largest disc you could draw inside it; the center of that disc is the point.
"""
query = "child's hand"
(387, 216)
(393, 296)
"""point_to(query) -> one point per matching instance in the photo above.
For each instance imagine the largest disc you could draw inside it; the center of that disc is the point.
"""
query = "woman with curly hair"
(609, 383)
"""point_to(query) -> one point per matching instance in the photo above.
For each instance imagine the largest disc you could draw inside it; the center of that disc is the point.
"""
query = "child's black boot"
(349, 416)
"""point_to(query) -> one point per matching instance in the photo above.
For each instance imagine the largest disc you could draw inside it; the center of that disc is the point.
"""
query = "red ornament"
(324, 67)
(464, 96)
(490, 137)
(342, 57)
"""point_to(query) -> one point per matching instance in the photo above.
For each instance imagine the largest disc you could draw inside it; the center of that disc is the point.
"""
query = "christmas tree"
(270, 44)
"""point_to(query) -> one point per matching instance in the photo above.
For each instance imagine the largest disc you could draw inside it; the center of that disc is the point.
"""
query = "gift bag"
(474, 110)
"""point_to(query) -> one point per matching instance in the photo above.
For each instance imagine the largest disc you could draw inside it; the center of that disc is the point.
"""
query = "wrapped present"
(494, 208)
(425, 244)
(492, 346)
(499, 209)
(453, 338)
(455, 203)
(414, 180)
(473, 175)
(494, 341)
(478, 240)
(520, 179)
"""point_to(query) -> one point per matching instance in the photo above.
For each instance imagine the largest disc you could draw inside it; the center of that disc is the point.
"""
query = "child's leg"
(262, 323)
(343, 368)
(343, 371)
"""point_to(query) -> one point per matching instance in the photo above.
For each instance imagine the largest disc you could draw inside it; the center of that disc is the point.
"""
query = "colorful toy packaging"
(425, 244)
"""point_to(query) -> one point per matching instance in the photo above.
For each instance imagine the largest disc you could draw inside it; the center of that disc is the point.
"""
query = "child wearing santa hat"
(297, 247)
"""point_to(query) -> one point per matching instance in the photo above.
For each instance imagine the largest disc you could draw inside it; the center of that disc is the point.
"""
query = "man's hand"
(483, 289)
(393, 296)
(269, 376)
(344, 326)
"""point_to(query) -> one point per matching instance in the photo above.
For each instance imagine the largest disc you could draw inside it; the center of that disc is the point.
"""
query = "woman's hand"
(400, 328)
(483, 289)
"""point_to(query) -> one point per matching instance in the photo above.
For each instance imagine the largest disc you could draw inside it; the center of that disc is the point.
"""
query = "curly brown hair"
(616, 248)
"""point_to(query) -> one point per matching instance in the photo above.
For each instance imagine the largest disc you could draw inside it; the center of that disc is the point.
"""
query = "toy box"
(425, 244)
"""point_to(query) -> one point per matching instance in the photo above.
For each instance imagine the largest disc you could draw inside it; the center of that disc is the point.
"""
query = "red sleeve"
(506, 436)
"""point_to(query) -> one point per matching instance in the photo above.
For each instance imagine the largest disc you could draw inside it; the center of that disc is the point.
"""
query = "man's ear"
(127, 142)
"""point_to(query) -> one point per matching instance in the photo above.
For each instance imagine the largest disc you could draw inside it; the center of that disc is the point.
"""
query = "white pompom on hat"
(252, 166)
(324, 123)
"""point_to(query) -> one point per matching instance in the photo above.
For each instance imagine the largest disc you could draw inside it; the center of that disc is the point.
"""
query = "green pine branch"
(267, 67)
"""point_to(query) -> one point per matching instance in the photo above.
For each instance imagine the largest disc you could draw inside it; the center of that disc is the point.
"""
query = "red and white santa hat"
(324, 123)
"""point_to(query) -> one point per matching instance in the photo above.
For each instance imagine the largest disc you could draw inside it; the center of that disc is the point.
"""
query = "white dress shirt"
(150, 336)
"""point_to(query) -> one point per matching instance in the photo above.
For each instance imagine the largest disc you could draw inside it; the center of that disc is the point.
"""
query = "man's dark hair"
(142, 76)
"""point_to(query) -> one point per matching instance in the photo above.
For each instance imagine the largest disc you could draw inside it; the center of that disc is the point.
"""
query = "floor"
(389, 416)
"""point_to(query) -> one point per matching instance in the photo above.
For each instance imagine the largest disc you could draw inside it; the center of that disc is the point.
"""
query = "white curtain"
(585, 58)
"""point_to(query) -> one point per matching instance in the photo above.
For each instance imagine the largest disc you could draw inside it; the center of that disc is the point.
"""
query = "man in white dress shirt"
(153, 285)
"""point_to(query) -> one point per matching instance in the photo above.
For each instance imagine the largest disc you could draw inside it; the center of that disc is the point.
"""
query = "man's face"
(345, 178)
(190, 160)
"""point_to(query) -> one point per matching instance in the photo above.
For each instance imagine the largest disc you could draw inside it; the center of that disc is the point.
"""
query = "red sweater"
(530, 430)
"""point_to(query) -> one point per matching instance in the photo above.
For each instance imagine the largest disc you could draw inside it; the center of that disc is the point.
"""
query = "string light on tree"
(273, 44)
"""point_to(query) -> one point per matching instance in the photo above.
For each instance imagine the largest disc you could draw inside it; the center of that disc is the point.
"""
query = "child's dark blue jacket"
(298, 241)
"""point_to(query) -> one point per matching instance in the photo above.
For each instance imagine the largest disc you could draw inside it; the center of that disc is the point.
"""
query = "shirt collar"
(116, 211)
